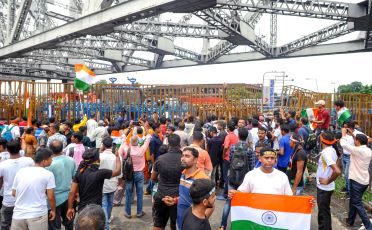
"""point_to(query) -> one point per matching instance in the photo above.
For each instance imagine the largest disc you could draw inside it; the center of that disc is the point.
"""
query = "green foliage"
(101, 82)
(355, 87)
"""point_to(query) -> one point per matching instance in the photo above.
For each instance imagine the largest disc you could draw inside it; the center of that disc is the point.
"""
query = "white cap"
(320, 102)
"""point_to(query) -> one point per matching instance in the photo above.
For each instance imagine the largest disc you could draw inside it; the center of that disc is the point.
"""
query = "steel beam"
(102, 22)
(19, 22)
(240, 32)
(325, 49)
(303, 8)
(325, 34)
(171, 29)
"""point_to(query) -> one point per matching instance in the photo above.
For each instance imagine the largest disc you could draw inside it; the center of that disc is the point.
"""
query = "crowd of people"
(56, 173)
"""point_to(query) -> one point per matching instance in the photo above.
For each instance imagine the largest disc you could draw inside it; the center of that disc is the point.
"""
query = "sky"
(320, 73)
(328, 72)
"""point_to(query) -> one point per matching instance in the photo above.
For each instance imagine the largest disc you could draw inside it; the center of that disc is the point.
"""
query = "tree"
(355, 87)
(101, 82)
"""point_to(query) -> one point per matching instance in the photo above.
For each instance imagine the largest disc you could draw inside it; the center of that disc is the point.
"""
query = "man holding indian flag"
(264, 200)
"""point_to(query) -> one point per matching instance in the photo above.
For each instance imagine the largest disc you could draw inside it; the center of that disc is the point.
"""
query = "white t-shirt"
(31, 184)
(91, 126)
(327, 158)
(256, 181)
(8, 170)
(349, 140)
(254, 132)
(108, 161)
(278, 136)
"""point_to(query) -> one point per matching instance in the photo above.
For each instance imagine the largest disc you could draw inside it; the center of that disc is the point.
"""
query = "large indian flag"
(311, 114)
(265, 211)
(343, 115)
(84, 77)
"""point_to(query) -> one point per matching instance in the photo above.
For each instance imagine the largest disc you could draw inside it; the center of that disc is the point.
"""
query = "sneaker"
(140, 215)
(347, 223)
(220, 197)
(127, 216)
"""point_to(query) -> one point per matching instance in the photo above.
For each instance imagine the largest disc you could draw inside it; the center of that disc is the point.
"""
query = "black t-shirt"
(170, 169)
(91, 185)
(191, 222)
(215, 149)
(299, 156)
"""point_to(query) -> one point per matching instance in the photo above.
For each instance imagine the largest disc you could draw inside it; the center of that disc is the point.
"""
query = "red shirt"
(323, 114)
(23, 124)
(230, 139)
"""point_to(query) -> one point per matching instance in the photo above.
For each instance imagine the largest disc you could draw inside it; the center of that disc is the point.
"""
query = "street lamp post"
(316, 82)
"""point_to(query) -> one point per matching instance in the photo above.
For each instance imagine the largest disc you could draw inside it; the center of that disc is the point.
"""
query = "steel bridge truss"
(43, 39)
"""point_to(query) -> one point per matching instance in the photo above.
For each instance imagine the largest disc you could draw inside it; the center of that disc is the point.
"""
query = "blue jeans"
(226, 208)
(107, 201)
(138, 181)
(356, 205)
(226, 167)
(299, 191)
(345, 170)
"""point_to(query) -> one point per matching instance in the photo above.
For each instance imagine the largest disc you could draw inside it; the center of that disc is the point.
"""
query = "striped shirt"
(184, 200)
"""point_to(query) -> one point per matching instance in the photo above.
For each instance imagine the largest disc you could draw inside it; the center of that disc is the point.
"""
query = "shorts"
(161, 213)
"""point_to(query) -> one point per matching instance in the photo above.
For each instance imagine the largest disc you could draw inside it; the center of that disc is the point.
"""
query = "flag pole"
(81, 101)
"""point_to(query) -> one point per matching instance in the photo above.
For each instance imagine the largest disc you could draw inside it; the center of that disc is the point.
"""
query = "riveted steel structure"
(43, 39)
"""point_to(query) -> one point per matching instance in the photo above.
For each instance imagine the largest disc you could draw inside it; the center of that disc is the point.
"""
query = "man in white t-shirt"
(8, 170)
(91, 126)
(326, 174)
(108, 161)
(265, 179)
(31, 188)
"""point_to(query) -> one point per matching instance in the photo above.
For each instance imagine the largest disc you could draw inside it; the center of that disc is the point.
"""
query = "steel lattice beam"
(240, 32)
(19, 22)
(304, 8)
(171, 29)
(328, 33)
(102, 22)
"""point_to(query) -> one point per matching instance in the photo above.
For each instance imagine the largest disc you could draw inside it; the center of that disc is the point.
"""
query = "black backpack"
(310, 143)
(238, 166)
(127, 167)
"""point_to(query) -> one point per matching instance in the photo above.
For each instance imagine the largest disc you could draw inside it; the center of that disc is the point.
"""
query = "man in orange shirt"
(204, 160)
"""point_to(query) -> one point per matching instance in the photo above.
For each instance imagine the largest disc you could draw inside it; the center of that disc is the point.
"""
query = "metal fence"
(223, 100)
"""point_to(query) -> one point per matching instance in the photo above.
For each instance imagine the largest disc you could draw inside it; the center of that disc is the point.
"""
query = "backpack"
(71, 151)
(7, 135)
(127, 167)
(310, 143)
(238, 166)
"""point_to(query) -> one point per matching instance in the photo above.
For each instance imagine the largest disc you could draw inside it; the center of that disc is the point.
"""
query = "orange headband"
(327, 142)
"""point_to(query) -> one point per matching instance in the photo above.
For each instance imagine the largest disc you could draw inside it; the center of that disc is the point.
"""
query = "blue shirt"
(304, 133)
(63, 169)
(283, 160)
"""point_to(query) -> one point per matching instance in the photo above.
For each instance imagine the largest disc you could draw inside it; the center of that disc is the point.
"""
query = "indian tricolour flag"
(265, 211)
(343, 115)
(311, 114)
(84, 77)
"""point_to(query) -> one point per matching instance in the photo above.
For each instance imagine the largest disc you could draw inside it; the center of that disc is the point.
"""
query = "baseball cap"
(320, 102)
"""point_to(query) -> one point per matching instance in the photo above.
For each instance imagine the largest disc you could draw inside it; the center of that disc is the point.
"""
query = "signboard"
(271, 93)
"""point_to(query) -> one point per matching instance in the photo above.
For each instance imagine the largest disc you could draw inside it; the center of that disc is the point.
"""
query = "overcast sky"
(321, 70)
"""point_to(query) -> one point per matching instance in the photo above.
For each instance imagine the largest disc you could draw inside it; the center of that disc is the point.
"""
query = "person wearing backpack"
(304, 131)
(11, 132)
(242, 160)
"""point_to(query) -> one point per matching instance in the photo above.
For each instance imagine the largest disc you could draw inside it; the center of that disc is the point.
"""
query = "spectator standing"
(55, 135)
(183, 135)
(215, 149)
(63, 169)
(91, 126)
(76, 149)
(204, 160)
(32, 187)
(8, 170)
(285, 150)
